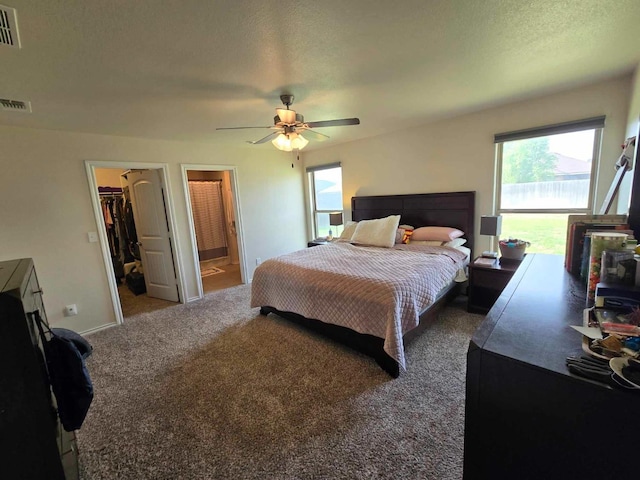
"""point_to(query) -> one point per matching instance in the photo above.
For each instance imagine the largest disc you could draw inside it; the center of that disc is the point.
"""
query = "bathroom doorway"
(214, 220)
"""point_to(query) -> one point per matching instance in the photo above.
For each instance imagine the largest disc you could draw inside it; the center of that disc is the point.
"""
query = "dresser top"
(12, 273)
(530, 322)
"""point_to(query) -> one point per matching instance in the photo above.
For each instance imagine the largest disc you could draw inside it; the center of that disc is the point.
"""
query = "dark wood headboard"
(452, 209)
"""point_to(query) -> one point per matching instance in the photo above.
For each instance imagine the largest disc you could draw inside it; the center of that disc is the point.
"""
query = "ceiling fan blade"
(334, 123)
(265, 139)
(315, 135)
(238, 128)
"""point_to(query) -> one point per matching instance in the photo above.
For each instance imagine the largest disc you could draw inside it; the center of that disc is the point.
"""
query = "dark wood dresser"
(526, 416)
(33, 444)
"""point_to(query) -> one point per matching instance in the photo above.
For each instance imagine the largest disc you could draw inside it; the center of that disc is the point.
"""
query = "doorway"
(134, 216)
(214, 218)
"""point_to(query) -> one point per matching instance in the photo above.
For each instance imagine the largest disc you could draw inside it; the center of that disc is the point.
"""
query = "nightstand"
(486, 283)
(315, 243)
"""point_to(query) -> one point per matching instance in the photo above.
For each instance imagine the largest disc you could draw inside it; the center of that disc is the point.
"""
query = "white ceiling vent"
(15, 105)
(9, 27)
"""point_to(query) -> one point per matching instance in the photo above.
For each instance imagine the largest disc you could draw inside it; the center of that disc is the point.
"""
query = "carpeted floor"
(213, 390)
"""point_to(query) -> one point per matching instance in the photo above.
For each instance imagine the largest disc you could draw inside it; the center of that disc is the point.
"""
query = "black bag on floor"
(68, 375)
(135, 282)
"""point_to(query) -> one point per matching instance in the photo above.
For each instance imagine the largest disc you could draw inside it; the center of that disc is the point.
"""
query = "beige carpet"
(213, 390)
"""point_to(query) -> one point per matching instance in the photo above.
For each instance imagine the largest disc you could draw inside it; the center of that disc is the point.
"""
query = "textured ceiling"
(179, 69)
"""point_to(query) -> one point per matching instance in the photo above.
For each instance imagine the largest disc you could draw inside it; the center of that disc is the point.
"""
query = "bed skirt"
(368, 344)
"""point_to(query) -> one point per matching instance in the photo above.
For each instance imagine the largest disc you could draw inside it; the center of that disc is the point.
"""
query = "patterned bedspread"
(377, 291)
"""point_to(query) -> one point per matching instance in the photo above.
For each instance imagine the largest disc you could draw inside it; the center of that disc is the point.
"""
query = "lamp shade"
(490, 225)
(281, 142)
(299, 142)
(289, 142)
(286, 116)
(335, 219)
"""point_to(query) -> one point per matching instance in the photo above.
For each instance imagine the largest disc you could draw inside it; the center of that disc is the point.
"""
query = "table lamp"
(335, 219)
(490, 225)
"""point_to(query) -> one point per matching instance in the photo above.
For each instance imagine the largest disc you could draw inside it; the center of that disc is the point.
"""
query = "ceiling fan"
(288, 126)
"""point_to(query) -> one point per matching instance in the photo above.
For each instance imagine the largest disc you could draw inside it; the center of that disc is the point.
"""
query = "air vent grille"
(9, 27)
(15, 105)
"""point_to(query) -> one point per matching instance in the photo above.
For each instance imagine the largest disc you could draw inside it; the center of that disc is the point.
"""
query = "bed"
(372, 299)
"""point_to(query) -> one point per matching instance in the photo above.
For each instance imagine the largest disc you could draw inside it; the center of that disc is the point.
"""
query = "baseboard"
(97, 329)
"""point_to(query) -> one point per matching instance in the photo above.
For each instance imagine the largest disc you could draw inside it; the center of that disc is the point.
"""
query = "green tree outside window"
(529, 160)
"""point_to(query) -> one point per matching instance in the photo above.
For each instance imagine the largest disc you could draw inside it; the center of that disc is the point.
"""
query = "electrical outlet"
(258, 261)
(70, 310)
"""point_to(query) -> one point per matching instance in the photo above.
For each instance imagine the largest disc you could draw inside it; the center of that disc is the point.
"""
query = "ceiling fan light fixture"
(286, 116)
(299, 142)
(282, 142)
(292, 141)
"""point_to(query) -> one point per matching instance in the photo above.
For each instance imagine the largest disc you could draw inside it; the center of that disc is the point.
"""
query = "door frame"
(163, 170)
(233, 179)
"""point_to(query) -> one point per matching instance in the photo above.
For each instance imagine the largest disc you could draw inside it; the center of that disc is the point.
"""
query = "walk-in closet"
(124, 243)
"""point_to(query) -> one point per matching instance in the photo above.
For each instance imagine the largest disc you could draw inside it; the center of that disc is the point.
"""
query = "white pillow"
(456, 242)
(429, 243)
(347, 233)
(380, 232)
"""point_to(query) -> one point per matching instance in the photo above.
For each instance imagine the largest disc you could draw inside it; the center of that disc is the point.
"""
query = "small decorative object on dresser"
(513, 249)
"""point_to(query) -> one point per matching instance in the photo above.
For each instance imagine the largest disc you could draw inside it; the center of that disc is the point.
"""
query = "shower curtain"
(208, 218)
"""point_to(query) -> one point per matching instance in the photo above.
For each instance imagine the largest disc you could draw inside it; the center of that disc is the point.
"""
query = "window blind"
(317, 168)
(586, 124)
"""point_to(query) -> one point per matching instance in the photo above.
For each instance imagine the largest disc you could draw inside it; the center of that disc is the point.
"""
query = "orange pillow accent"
(407, 236)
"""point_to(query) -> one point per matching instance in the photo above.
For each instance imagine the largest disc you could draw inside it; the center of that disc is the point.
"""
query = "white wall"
(109, 177)
(46, 209)
(624, 197)
(633, 119)
(458, 154)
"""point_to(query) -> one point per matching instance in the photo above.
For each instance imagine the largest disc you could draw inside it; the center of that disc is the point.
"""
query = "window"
(545, 174)
(325, 188)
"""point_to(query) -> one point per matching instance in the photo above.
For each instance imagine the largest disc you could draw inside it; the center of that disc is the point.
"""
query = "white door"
(154, 236)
